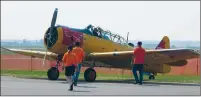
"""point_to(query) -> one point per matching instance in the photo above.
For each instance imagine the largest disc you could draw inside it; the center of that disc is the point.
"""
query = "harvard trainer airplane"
(103, 47)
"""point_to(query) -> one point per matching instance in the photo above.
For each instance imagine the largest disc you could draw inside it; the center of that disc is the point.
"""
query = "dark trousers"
(69, 70)
(140, 68)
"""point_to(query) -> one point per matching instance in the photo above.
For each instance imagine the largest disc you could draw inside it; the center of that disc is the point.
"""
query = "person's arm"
(132, 60)
(134, 52)
(64, 58)
(76, 63)
(83, 56)
(63, 61)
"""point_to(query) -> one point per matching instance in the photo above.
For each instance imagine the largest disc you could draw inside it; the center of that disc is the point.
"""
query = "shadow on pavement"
(79, 91)
(129, 81)
(85, 86)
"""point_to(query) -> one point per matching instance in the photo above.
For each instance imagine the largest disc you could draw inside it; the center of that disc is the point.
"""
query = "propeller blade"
(54, 18)
(127, 37)
(51, 30)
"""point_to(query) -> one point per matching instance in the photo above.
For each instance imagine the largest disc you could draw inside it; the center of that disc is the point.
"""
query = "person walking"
(80, 56)
(138, 62)
(70, 62)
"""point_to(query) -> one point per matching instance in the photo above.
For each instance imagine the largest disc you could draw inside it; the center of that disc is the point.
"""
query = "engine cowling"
(61, 38)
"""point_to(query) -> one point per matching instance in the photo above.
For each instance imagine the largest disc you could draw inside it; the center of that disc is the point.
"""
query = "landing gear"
(151, 77)
(90, 75)
(53, 73)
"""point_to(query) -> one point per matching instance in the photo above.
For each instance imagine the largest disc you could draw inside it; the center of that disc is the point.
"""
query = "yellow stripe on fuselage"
(95, 44)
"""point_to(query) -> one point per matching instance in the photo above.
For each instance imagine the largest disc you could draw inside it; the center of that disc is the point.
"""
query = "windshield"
(107, 35)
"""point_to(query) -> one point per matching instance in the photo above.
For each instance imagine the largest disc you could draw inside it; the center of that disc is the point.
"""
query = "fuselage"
(64, 36)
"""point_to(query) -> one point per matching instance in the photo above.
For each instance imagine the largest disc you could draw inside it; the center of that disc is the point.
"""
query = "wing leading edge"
(38, 54)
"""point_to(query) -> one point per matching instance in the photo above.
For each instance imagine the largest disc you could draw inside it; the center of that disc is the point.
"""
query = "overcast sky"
(145, 20)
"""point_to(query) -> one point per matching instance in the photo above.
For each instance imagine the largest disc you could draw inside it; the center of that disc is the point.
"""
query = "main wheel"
(151, 77)
(53, 73)
(90, 75)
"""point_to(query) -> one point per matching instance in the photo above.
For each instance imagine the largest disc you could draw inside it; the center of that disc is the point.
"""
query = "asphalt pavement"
(22, 86)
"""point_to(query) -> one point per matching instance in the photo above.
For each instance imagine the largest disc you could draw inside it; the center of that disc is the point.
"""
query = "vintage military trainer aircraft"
(105, 48)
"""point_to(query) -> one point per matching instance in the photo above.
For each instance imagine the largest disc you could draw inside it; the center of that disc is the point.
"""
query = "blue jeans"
(140, 68)
(76, 75)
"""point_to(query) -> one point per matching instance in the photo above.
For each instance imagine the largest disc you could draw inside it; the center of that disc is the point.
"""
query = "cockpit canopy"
(99, 32)
(107, 35)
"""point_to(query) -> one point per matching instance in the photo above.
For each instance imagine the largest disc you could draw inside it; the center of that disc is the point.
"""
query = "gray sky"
(145, 20)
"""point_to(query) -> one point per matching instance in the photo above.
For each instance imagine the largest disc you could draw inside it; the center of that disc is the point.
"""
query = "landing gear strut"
(53, 72)
(90, 74)
(152, 77)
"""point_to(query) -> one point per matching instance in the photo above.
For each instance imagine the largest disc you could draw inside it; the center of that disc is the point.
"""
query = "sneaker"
(71, 87)
(140, 83)
(70, 90)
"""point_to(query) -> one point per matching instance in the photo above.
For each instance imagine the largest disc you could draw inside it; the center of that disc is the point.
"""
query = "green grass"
(159, 78)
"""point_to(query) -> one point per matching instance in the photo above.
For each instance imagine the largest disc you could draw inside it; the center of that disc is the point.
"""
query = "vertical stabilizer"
(164, 43)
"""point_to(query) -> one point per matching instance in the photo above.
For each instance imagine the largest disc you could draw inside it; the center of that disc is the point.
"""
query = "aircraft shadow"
(79, 85)
(129, 81)
(85, 86)
(145, 83)
(79, 91)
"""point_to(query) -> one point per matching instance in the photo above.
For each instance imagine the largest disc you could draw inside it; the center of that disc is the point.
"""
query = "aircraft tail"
(164, 43)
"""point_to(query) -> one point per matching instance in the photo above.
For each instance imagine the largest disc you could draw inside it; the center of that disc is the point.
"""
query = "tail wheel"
(53, 73)
(151, 77)
(90, 75)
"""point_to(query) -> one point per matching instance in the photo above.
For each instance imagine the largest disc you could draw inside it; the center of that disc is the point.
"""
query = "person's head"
(139, 43)
(95, 29)
(70, 48)
(77, 44)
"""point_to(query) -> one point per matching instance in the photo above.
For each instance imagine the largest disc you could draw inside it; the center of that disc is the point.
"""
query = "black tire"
(151, 77)
(53, 73)
(90, 75)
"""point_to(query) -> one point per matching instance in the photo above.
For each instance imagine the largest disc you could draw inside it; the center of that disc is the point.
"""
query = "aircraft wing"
(122, 59)
(38, 54)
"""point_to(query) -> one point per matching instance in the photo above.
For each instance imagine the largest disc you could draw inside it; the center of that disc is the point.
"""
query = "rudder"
(164, 43)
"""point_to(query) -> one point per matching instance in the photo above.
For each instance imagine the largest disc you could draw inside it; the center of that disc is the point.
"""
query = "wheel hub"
(91, 75)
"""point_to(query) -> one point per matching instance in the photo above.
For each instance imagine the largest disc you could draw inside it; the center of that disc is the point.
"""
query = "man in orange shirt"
(138, 62)
(70, 62)
(80, 56)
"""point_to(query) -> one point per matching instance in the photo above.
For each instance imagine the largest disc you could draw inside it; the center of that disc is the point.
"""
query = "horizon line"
(128, 40)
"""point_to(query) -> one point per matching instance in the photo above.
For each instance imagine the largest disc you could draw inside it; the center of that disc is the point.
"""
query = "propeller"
(51, 30)
(127, 37)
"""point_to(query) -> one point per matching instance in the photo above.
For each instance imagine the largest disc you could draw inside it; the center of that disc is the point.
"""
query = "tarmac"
(21, 86)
